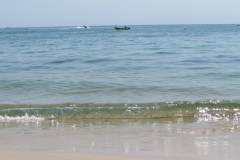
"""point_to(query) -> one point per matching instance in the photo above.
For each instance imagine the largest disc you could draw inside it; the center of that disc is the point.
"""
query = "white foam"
(25, 118)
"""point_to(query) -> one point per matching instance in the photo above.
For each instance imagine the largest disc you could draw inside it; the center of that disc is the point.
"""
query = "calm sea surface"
(147, 91)
(156, 63)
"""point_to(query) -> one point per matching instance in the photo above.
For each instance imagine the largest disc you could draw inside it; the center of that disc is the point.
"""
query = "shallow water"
(204, 130)
(147, 137)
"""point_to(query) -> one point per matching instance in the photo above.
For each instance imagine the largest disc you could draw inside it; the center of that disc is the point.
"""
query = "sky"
(44, 13)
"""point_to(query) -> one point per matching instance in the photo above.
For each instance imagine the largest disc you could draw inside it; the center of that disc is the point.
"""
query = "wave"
(61, 61)
(25, 118)
(167, 53)
(211, 110)
(98, 60)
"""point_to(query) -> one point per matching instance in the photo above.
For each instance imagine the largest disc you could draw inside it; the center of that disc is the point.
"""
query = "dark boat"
(122, 28)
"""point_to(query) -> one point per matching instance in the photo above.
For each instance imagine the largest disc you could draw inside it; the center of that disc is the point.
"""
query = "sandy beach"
(13, 155)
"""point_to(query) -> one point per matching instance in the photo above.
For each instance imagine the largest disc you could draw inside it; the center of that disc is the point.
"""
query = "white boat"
(83, 26)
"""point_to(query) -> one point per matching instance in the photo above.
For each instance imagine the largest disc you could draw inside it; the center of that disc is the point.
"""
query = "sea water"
(160, 90)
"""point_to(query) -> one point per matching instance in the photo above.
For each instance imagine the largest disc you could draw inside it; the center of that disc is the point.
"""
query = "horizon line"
(124, 25)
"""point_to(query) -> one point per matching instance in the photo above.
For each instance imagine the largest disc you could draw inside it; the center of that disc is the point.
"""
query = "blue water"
(152, 63)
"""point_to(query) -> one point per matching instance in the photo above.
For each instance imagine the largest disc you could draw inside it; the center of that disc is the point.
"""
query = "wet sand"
(13, 155)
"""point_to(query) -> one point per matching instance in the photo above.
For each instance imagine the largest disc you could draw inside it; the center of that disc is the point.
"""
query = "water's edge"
(74, 111)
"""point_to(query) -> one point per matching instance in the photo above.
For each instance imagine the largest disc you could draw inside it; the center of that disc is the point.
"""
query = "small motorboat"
(122, 28)
(83, 26)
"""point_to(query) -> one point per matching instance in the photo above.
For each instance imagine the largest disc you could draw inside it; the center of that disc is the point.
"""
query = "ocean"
(159, 90)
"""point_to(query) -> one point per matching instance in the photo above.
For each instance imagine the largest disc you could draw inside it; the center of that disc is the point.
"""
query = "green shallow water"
(72, 111)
